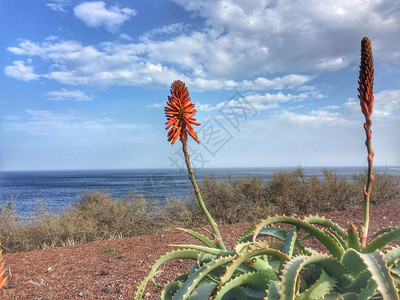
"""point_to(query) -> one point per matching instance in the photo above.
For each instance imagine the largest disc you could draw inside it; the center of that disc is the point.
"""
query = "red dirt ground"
(89, 271)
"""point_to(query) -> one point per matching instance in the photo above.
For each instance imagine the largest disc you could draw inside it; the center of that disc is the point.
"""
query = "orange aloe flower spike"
(3, 279)
(366, 79)
(180, 113)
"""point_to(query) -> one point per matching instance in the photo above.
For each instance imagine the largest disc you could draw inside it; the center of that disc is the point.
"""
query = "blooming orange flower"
(366, 79)
(180, 113)
(3, 279)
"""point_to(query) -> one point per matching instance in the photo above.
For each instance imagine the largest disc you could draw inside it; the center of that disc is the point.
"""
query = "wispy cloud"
(95, 14)
(58, 5)
(262, 102)
(45, 122)
(165, 30)
(64, 94)
(155, 105)
(21, 71)
(124, 36)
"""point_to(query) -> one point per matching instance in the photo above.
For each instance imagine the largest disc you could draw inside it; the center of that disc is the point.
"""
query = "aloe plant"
(280, 265)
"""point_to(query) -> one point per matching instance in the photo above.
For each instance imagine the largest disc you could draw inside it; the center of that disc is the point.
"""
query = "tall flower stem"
(366, 96)
(370, 178)
(213, 224)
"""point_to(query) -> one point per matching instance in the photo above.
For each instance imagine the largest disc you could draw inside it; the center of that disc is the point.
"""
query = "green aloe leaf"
(368, 291)
(275, 232)
(249, 231)
(392, 256)
(203, 291)
(292, 270)
(256, 280)
(353, 263)
(333, 235)
(170, 289)
(382, 231)
(395, 270)
(209, 243)
(178, 254)
(143, 284)
(350, 296)
(322, 221)
(249, 255)
(380, 273)
(195, 278)
(353, 238)
(291, 238)
(382, 241)
(360, 282)
(206, 249)
(205, 258)
(273, 290)
(332, 246)
(323, 286)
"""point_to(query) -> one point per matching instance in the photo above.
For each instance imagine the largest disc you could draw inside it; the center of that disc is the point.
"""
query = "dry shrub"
(236, 199)
(98, 216)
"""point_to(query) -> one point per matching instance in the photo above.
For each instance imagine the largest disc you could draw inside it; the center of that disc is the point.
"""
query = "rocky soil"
(112, 269)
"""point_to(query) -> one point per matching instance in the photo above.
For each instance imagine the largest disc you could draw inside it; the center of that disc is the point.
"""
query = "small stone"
(80, 294)
(11, 286)
(121, 256)
(108, 289)
(110, 260)
(147, 295)
(105, 271)
(33, 282)
(49, 269)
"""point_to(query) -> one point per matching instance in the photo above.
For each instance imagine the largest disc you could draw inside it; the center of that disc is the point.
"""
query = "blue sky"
(83, 83)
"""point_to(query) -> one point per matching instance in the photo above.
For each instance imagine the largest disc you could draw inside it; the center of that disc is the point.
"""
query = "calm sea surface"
(59, 189)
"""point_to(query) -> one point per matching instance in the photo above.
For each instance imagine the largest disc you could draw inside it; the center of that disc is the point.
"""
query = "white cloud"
(386, 104)
(116, 64)
(155, 105)
(294, 35)
(261, 102)
(58, 5)
(44, 122)
(331, 107)
(260, 83)
(124, 36)
(315, 117)
(65, 94)
(95, 14)
(168, 29)
(238, 46)
(20, 71)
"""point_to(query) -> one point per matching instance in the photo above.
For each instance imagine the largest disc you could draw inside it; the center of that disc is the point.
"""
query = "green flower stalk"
(180, 120)
(366, 96)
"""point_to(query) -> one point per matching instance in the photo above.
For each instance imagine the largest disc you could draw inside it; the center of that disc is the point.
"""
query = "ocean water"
(60, 189)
